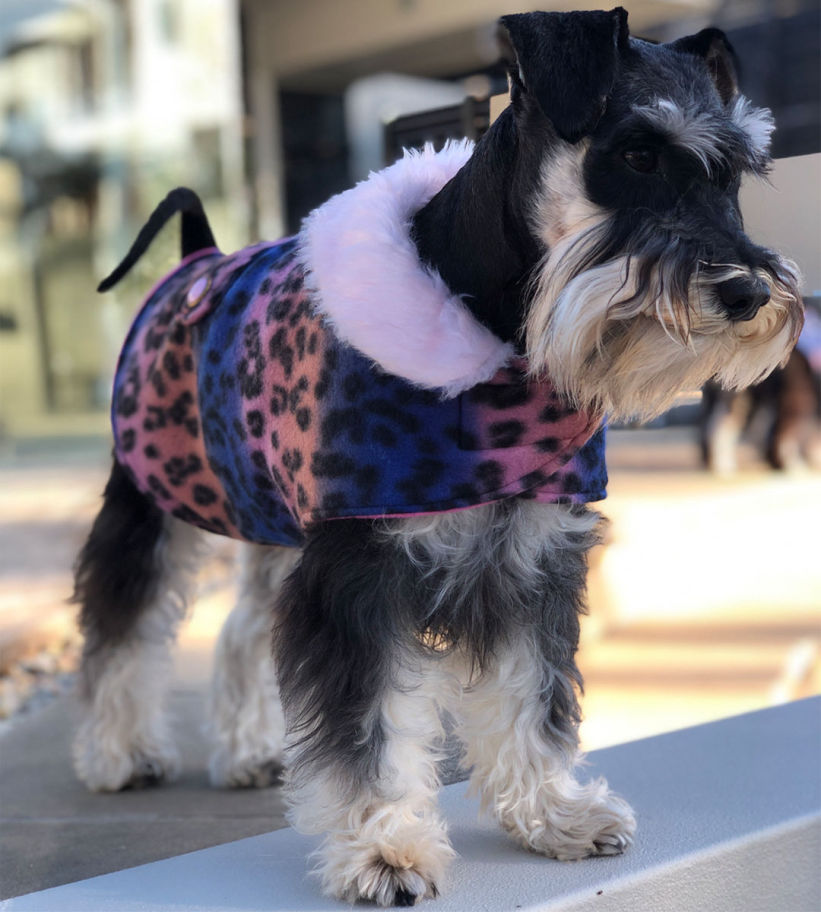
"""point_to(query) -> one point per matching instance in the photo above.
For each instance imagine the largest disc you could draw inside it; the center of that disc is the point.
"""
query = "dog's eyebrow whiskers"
(740, 140)
(697, 132)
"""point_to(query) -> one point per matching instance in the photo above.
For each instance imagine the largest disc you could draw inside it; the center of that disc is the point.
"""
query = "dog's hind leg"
(131, 581)
(246, 716)
(360, 694)
(519, 717)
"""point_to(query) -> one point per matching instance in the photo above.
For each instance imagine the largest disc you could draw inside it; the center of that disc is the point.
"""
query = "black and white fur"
(596, 226)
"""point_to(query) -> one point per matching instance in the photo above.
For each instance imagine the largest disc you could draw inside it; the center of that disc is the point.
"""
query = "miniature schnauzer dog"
(400, 412)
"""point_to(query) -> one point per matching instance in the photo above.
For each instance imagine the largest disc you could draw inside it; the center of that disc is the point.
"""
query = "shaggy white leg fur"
(246, 716)
(524, 775)
(386, 841)
(124, 739)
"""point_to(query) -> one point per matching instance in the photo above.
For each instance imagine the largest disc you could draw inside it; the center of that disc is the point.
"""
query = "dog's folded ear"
(712, 45)
(566, 61)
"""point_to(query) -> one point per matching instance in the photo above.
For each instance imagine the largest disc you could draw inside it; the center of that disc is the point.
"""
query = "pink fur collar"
(366, 278)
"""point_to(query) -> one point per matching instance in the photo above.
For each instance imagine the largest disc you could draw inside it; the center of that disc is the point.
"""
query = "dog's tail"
(195, 235)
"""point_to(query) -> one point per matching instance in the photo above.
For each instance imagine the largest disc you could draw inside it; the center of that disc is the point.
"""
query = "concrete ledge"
(729, 820)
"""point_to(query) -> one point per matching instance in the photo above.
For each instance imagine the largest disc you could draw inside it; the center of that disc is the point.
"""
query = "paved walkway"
(705, 603)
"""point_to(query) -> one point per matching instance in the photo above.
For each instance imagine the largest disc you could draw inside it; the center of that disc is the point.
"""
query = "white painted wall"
(373, 101)
(785, 212)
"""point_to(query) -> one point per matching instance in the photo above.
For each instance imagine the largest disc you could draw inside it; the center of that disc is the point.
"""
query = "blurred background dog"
(779, 419)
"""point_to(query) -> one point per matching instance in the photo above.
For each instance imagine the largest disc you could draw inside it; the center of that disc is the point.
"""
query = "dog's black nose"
(743, 296)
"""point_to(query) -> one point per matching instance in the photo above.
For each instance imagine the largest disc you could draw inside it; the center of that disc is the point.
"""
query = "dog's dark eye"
(643, 159)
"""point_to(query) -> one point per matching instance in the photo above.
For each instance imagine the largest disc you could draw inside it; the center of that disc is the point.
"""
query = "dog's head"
(649, 284)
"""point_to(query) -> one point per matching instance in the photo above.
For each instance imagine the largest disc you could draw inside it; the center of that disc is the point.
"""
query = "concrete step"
(728, 819)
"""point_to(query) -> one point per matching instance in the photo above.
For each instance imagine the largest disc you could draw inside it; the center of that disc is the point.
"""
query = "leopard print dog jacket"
(247, 402)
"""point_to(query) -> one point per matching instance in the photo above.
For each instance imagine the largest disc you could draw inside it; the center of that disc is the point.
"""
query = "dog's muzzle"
(743, 296)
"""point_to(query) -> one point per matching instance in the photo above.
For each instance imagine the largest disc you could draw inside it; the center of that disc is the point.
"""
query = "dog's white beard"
(608, 350)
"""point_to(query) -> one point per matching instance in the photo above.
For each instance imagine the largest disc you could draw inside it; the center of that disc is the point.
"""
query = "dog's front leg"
(359, 691)
(384, 838)
(518, 722)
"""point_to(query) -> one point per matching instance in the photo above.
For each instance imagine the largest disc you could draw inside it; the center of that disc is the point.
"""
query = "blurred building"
(104, 106)
(265, 107)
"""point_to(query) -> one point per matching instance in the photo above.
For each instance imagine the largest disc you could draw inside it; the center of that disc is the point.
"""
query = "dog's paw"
(399, 870)
(607, 829)
(592, 822)
(248, 741)
(116, 771)
(389, 885)
(615, 842)
(112, 764)
(247, 774)
(149, 771)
